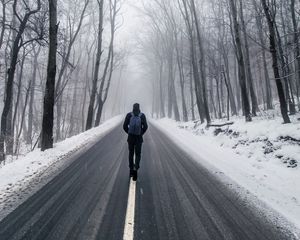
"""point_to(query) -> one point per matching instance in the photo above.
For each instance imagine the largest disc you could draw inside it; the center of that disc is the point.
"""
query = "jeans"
(134, 148)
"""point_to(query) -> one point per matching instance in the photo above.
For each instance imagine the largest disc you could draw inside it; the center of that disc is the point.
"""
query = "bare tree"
(270, 16)
(296, 46)
(259, 24)
(90, 114)
(32, 92)
(48, 109)
(73, 32)
(17, 44)
(240, 59)
(199, 98)
(3, 21)
(109, 65)
(248, 71)
(202, 62)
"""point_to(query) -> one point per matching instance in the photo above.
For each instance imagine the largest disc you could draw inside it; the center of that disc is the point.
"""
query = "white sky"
(136, 86)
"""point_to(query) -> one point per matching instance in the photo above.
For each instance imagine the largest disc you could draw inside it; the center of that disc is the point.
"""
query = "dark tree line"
(54, 55)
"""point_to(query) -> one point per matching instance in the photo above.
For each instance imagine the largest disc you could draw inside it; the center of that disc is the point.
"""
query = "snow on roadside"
(23, 177)
(264, 175)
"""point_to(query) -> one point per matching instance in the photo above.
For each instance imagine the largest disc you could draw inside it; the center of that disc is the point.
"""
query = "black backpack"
(135, 124)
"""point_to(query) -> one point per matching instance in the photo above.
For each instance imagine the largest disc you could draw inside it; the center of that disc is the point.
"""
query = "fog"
(188, 60)
(132, 84)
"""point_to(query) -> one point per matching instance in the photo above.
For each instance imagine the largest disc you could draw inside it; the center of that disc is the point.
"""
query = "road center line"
(129, 220)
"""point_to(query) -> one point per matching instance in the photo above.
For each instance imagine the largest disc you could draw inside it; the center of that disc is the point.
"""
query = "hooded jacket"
(133, 138)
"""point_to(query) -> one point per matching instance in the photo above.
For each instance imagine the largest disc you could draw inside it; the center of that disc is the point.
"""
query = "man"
(135, 125)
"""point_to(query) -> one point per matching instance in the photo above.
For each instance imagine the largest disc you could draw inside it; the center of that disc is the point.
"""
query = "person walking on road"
(135, 125)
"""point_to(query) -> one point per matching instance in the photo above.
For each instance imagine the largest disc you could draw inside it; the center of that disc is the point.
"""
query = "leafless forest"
(60, 62)
(214, 59)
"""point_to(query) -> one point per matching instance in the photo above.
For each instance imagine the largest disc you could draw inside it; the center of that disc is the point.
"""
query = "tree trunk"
(48, 116)
(273, 50)
(172, 99)
(297, 48)
(174, 102)
(109, 66)
(269, 99)
(3, 22)
(237, 90)
(5, 118)
(249, 76)
(161, 97)
(285, 69)
(261, 89)
(59, 103)
(32, 95)
(90, 114)
(74, 116)
(241, 63)
(86, 87)
(170, 80)
(231, 96)
(284, 57)
(218, 97)
(10, 142)
(199, 99)
(192, 92)
(181, 79)
(202, 64)
(19, 132)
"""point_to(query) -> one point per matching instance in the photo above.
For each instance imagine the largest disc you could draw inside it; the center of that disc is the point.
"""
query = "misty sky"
(136, 86)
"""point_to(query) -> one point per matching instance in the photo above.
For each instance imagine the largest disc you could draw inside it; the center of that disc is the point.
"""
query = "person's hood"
(136, 109)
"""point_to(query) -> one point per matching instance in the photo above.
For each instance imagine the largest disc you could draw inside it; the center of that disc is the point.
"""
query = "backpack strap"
(140, 114)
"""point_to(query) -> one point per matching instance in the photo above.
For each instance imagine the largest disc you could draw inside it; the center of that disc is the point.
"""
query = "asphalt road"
(176, 198)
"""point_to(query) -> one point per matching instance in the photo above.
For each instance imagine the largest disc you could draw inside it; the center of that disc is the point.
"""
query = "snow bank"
(21, 178)
(264, 175)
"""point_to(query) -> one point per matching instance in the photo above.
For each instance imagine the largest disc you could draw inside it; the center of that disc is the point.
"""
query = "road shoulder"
(204, 153)
(21, 179)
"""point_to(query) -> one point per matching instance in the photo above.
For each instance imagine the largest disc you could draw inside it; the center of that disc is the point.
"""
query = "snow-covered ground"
(22, 178)
(261, 157)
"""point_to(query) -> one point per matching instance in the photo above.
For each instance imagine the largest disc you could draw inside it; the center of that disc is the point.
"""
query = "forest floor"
(21, 178)
(262, 156)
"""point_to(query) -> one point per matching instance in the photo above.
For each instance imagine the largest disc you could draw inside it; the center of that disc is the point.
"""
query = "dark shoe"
(131, 172)
(134, 177)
